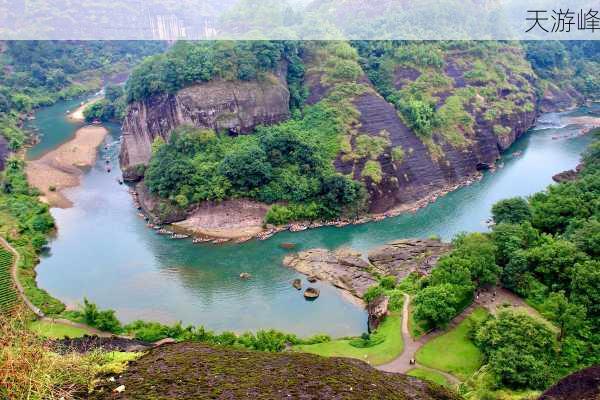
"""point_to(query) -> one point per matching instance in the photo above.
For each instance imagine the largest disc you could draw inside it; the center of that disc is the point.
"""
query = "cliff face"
(235, 107)
(499, 107)
(431, 165)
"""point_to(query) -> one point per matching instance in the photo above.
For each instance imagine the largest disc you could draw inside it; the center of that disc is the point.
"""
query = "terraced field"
(8, 293)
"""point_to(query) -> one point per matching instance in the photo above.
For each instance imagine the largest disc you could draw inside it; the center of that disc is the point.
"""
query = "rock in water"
(344, 269)
(297, 283)
(311, 293)
(245, 276)
(287, 245)
(377, 310)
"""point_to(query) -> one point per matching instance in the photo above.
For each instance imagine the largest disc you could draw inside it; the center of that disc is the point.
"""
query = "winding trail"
(402, 363)
(39, 313)
(492, 300)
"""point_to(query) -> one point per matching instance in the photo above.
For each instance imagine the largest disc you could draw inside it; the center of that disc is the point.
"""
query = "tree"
(517, 348)
(480, 251)
(512, 211)
(437, 305)
(586, 236)
(247, 169)
(585, 282)
(113, 92)
(552, 261)
(567, 316)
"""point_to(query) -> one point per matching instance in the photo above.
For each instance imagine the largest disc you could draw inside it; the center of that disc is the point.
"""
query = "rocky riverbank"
(354, 273)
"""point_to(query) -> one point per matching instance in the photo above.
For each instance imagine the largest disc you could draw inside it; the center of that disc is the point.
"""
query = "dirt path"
(402, 363)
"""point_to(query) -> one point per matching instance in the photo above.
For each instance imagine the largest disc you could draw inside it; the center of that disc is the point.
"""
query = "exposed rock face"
(556, 99)
(347, 269)
(377, 310)
(3, 152)
(421, 173)
(401, 257)
(342, 268)
(232, 106)
(191, 370)
(568, 175)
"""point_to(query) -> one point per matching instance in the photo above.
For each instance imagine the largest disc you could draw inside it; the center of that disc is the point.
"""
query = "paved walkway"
(492, 299)
(402, 363)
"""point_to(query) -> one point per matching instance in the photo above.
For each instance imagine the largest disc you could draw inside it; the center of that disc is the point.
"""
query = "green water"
(54, 128)
(104, 252)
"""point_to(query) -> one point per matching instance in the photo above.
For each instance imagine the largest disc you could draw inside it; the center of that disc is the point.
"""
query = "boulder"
(344, 269)
(311, 293)
(377, 310)
(297, 283)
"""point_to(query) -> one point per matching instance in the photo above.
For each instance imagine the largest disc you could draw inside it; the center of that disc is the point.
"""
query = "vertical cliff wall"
(234, 107)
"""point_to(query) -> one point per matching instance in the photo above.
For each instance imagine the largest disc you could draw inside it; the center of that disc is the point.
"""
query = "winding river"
(104, 251)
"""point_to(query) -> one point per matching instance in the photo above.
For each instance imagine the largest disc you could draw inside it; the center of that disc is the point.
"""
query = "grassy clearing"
(429, 376)
(56, 331)
(378, 354)
(454, 352)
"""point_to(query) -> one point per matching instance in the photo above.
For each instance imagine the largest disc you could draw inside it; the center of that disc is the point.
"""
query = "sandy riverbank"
(77, 115)
(63, 167)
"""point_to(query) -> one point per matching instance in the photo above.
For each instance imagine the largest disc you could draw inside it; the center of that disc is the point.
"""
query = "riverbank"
(63, 167)
(77, 115)
(241, 220)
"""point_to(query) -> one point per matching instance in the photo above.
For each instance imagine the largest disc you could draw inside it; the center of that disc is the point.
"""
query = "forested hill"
(38, 73)
(389, 123)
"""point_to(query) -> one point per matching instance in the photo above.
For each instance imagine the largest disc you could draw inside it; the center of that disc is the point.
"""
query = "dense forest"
(545, 249)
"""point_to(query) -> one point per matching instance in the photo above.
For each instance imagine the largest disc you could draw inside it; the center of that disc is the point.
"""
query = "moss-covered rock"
(197, 371)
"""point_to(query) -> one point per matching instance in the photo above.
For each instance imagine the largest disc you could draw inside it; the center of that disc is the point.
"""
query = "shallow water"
(104, 251)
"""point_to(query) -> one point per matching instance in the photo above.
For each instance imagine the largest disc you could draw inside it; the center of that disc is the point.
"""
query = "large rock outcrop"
(343, 268)
(350, 271)
(422, 172)
(191, 370)
(402, 257)
(235, 107)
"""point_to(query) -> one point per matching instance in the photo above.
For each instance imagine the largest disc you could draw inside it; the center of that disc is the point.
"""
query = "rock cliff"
(235, 107)
(434, 165)
(409, 168)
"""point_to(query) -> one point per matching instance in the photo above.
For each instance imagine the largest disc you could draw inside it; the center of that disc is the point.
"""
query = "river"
(104, 251)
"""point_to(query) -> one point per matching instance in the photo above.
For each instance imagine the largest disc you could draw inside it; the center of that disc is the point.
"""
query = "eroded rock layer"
(235, 107)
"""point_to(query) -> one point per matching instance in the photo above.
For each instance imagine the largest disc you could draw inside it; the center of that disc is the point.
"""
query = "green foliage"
(372, 170)
(190, 62)
(104, 320)
(511, 211)
(289, 162)
(518, 349)
(26, 222)
(101, 110)
(372, 293)
(436, 305)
